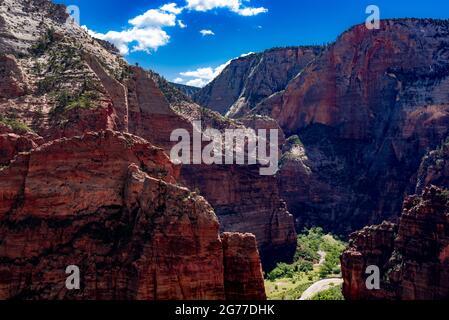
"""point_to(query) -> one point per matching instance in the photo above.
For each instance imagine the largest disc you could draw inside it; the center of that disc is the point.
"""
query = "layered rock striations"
(365, 117)
(82, 183)
(248, 80)
(106, 202)
(245, 201)
(413, 256)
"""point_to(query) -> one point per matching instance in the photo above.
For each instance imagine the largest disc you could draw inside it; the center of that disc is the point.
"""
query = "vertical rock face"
(247, 202)
(11, 144)
(365, 116)
(415, 266)
(434, 169)
(12, 81)
(77, 188)
(241, 261)
(105, 202)
(248, 80)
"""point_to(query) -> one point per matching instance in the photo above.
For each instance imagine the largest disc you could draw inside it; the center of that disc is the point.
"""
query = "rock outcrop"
(76, 84)
(82, 183)
(243, 274)
(413, 256)
(107, 203)
(434, 169)
(248, 80)
(365, 116)
(245, 201)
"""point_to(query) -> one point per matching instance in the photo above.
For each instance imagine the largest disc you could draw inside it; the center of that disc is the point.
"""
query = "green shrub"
(65, 101)
(43, 43)
(15, 125)
(332, 294)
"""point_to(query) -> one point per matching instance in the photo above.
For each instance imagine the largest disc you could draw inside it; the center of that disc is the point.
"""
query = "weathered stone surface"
(415, 265)
(126, 98)
(12, 79)
(247, 202)
(248, 80)
(366, 116)
(11, 144)
(105, 202)
(243, 273)
(434, 169)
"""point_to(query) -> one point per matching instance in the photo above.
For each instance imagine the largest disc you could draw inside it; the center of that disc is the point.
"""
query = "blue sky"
(156, 39)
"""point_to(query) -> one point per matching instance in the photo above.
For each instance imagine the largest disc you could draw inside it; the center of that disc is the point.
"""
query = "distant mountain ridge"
(187, 90)
(248, 80)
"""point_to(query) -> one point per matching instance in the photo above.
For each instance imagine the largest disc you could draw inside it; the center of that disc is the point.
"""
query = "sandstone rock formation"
(434, 169)
(247, 202)
(365, 116)
(413, 256)
(248, 80)
(243, 276)
(107, 203)
(76, 84)
(78, 188)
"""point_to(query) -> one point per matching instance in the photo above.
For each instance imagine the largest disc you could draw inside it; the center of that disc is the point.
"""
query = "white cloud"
(233, 5)
(172, 8)
(202, 76)
(154, 18)
(249, 12)
(199, 83)
(178, 80)
(145, 39)
(207, 33)
(146, 31)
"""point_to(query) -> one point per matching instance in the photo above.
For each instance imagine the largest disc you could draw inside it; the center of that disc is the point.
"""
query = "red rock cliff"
(413, 257)
(107, 203)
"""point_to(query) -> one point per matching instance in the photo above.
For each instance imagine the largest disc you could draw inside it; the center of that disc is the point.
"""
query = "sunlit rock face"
(107, 203)
(85, 178)
(248, 80)
(366, 111)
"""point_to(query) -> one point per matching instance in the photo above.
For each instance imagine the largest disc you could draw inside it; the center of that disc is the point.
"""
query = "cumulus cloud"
(172, 8)
(233, 5)
(146, 31)
(178, 80)
(202, 76)
(207, 33)
(154, 18)
(145, 39)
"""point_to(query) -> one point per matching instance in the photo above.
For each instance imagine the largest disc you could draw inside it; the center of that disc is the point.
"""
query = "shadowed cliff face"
(82, 182)
(106, 203)
(249, 80)
(366, 111)
(413, 256)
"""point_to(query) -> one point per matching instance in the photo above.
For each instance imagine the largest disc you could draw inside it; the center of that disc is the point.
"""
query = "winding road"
(320, 286)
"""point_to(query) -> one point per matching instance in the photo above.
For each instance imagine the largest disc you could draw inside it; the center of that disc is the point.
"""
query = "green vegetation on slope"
(334, 294)
(15, 125)
(289, 281)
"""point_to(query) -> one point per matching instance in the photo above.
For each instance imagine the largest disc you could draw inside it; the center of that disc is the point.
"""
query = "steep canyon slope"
(359, 116)
(83, 183)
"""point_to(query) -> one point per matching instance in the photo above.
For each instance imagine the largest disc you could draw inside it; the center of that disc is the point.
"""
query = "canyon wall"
(248, 80)
(82, 182)
(413, 256)
(107, 203)
(365, 116)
